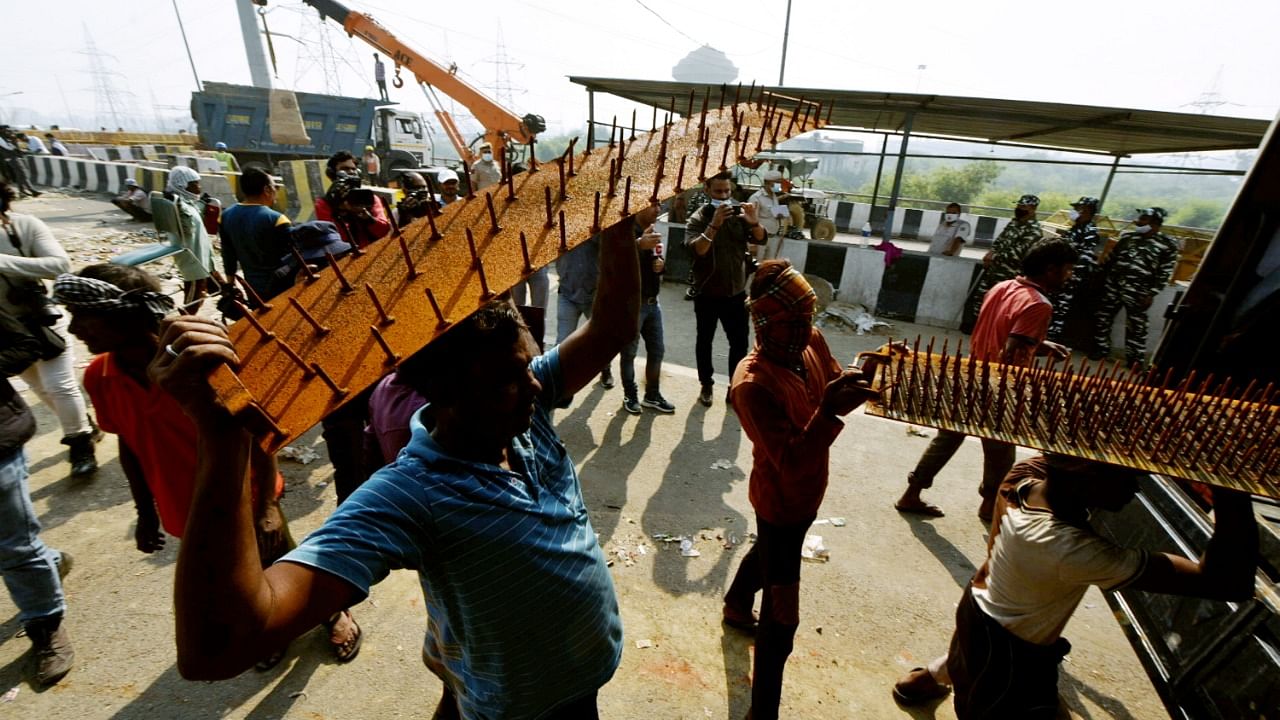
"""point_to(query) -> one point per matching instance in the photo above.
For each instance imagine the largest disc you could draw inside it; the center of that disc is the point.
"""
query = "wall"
(908, 223)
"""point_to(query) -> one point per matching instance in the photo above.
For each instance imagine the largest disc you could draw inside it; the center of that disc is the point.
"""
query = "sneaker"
(51, 647)
(704, 397)
(606, 382)
(630, 404)
(659, 403)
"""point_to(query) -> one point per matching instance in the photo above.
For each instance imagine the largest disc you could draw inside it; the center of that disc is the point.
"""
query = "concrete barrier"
(109, 176)
(910, 223)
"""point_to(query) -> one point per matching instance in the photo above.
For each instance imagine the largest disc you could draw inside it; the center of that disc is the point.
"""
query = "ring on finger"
(169, 349)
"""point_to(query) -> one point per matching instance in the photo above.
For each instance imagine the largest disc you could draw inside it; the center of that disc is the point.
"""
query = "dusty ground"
(882, 604)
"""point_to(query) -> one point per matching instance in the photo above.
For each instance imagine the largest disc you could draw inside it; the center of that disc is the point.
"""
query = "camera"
(417, 204)
(35, 303)
(346, 188)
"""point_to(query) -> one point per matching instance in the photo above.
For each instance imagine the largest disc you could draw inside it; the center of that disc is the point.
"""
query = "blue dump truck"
(238, 116)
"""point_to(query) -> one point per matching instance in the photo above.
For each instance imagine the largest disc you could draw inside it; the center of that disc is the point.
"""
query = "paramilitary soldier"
(1004, 260)
(1083, 236)
(1140, 265)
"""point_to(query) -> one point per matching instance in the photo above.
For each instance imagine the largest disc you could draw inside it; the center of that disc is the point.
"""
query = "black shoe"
(83, 462)
(606, 382)
(659, 403)
(704, 397)
(631, 405)
(52, 649)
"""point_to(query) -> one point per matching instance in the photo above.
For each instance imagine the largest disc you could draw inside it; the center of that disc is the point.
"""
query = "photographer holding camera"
(724, 237)
(356, 211)
(418, 199)
(28, 255)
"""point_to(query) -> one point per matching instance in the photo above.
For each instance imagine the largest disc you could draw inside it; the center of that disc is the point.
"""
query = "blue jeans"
(567, 314)
(651, 331)
(30, 568)
(537, 284)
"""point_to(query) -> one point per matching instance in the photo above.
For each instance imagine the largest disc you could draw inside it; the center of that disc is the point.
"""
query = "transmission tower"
(1211, 99)
(318, 54)
(502, 89)
(108, 99)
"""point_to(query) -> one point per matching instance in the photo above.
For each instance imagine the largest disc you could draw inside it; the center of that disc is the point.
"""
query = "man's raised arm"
(230, 612)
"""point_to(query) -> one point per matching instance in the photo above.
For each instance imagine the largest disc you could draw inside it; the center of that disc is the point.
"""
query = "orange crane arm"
(502, 126)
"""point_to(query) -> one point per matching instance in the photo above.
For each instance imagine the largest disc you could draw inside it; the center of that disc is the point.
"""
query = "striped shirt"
(521, 612)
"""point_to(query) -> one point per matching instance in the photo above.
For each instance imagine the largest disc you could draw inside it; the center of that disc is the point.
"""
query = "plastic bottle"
(866, 233)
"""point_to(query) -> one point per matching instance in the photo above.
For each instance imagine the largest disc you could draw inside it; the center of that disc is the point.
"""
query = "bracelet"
(704, 237)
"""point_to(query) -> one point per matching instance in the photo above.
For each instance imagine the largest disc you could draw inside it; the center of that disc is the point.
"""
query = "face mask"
(1074, 215)
(1142, 229)
(777, 187)
(952, 217)
(718, 203)
(486, 156)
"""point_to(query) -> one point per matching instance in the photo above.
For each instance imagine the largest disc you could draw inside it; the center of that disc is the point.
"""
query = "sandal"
(918, 687)
(923, 508)
(347, 651)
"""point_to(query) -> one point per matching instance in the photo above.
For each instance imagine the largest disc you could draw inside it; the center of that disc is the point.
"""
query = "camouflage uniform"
(1137, 269)
(1085, 239)
(1006, 256)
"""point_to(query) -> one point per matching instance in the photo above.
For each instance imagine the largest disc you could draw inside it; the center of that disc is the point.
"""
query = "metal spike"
(431, 221)
(688, 115)
(653, 124)
(724, 154)
(612, 179)
(533, 154)
(702, 170)
(751, 94)
(253, 294)
(737, 93)
(324, 376)
(613, 129)
(723, 89)
(564, 243)
(560, 166)
(294, 356)
(485, 292)
(524, 252)
(383, 317)
(511, 188)
(546, 195)
(633, 124)
(466, 175)
(408, 259)
(595, 216)
(307, 272)
(441, 321)
(573, 144)
(471, 245)
(494, 227)
(315, 324)
(342, 278)
(680, 176)
(392, 356)
(746, 140)
(248, 315)
(626, 198)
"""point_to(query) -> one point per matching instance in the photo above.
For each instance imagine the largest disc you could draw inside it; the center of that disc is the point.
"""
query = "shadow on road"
(949, 556)
(605, 474)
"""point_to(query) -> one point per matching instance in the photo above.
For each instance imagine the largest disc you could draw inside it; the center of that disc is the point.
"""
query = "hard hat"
(220, 146)
(368, 148)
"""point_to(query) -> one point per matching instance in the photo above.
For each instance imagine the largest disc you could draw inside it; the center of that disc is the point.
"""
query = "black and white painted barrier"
(918, 287)
(109, 176)
(908, 223)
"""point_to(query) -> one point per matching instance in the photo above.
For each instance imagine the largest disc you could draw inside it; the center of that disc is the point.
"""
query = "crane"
(503, 129)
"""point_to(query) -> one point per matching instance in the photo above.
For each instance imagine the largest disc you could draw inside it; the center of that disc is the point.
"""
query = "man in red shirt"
(1011, 330)
(357, 212)
(789, 393)
(116, 311)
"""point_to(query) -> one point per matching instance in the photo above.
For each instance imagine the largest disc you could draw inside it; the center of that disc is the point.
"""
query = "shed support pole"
(875, 192)
(1102, 201)
(897, 177)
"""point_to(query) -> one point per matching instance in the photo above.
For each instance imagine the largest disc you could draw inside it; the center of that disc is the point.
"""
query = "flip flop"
(911, 695)
(347, 651)
(926, 510)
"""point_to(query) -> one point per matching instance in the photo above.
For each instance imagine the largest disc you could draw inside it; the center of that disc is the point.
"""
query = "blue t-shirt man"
(254, 237)
(522, 614)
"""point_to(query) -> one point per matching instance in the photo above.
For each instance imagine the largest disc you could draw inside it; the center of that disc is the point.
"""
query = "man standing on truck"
(380, 75)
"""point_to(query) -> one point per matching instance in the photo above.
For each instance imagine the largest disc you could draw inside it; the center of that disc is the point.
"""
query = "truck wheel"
(823, 229)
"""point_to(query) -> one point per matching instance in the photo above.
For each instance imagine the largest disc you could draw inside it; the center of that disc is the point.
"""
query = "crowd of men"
(451, 466)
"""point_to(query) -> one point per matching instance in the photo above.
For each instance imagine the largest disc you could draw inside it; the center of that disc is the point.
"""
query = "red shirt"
(1013, 307)
(152, 425)
(790, 438)
(364, 232)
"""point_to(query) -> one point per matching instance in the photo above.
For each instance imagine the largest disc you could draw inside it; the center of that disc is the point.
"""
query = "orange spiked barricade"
(429, 283)
(1208, 429)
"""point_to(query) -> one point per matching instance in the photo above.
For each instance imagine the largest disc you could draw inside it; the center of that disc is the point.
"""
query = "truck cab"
(401, 141)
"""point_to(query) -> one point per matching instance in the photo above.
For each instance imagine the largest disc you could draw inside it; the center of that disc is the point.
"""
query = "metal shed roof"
(1113, 131)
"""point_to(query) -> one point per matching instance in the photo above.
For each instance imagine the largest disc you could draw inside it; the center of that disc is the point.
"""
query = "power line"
(668, 24)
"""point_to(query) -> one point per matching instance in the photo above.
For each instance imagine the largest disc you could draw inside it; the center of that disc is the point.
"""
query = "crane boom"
(501, 126)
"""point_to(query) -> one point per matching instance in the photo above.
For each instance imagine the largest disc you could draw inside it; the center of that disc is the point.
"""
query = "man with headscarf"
(789, 393)
(1004, 260)
(116, 310)
(196, 264)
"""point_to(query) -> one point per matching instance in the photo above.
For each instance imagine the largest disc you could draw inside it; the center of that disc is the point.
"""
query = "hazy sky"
(1117, 53)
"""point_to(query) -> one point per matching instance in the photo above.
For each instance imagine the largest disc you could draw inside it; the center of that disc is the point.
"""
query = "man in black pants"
(721, 234)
